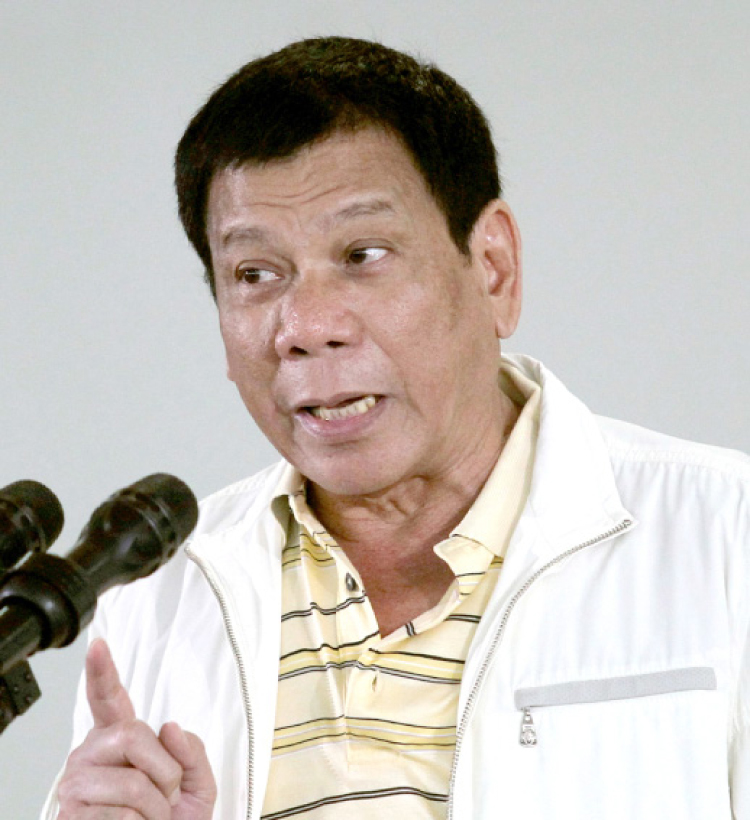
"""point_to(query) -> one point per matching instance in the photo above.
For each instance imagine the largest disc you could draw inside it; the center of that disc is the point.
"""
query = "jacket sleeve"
(739, 746)
(739, 723)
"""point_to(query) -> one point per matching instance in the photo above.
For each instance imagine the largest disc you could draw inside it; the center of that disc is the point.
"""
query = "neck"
(419, 512)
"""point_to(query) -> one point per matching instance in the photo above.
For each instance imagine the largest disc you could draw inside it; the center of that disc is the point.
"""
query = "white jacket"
(617, 634)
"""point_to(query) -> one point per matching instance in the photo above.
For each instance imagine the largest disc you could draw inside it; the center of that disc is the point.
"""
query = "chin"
(349, 477)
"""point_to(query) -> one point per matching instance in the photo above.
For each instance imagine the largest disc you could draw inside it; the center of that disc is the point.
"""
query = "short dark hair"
(276, 105)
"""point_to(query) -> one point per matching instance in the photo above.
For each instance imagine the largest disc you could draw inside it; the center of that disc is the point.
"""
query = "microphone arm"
(47, 600)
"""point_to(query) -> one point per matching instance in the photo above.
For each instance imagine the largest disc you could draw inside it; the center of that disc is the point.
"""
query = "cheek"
(241, 348)
(411, 310)
(230, 351)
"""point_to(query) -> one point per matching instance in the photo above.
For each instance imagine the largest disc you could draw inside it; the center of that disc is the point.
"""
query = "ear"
(496, 246)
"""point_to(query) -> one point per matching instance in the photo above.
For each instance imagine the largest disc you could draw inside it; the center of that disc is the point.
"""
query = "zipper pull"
(528, 732)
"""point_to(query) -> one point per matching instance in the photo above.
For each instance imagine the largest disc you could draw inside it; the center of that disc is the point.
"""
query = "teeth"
(354, 408)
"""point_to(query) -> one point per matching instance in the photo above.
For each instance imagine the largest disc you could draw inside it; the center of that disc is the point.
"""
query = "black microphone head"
(31, 516)
(135, 531)
(173, 497)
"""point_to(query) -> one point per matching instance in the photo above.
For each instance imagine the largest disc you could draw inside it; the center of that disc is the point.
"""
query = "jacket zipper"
(219, 595)
(528, 730)
(497, 639)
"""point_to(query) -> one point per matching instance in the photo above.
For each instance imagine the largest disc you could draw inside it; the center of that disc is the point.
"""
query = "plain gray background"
(623, 132)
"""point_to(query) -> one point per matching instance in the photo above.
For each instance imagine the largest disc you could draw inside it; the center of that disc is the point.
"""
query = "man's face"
(363, 343)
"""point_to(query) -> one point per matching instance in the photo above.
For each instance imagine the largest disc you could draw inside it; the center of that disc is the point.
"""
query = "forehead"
(346, 175)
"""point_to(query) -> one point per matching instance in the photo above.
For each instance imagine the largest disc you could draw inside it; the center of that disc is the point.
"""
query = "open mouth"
(344, 410)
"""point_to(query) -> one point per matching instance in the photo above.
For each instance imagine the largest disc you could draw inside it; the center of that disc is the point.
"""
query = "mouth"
(350, 408)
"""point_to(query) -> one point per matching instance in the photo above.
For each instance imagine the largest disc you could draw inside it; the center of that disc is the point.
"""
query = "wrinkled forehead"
(346, 176)
(349, 131)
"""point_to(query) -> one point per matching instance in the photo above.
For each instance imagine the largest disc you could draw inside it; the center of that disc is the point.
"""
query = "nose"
(315, 318)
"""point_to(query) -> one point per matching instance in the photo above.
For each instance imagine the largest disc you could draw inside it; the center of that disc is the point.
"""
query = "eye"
(255, 276)
(361, 256)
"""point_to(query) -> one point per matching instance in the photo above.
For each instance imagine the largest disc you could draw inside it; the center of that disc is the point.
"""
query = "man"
(460, 594)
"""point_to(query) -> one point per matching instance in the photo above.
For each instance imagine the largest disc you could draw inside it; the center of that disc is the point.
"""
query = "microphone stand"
(19, 691)
(44, 601)
(31, 518)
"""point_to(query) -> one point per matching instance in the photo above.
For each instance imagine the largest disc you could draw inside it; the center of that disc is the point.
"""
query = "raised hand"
(123, 770)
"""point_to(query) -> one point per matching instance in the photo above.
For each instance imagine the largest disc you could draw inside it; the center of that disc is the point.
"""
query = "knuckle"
(172, 774)
(65, 793)
(82, 753)
(196, 742)
(129, 734)
(75, 757)
(72, 787)
(135, 787)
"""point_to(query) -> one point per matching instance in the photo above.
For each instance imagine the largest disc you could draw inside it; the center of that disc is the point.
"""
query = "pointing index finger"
(108, 699)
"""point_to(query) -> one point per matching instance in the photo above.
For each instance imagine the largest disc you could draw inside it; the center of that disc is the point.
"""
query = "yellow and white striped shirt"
(366, 725)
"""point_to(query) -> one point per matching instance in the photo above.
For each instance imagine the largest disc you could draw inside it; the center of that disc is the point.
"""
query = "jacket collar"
(573, 496)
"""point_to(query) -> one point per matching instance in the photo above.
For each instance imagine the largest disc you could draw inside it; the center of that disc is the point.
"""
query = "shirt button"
(351, 583)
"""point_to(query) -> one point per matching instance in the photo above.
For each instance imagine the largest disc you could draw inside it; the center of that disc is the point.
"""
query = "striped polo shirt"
(366, 725)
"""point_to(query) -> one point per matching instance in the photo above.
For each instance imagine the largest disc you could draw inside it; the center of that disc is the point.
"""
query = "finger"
(111, 792)
(108, 699)
(198, 784)
(129, 744)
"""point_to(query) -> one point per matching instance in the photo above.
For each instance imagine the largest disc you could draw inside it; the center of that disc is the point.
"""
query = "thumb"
(198, 785)
(108, 699)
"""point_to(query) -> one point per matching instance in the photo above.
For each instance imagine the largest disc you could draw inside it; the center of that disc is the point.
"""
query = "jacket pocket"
(691, 678)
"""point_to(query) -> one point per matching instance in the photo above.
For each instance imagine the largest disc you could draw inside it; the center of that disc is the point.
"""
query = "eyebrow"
(368, 207)
(244, 233)
(255, 233)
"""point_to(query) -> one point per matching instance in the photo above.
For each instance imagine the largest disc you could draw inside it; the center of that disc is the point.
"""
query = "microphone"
(48, 599)
(31, 518)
